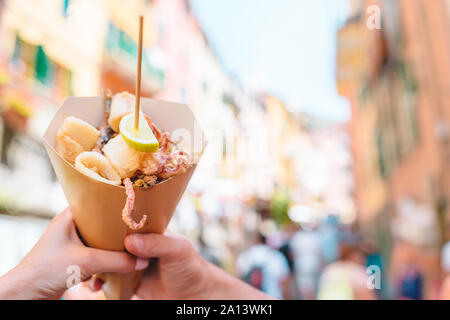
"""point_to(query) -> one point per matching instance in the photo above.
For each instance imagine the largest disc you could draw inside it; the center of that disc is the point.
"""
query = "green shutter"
(43, 68)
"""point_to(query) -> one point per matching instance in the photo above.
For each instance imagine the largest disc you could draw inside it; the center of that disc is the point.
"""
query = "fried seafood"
(121, 104)
(68, 148)
(106, 132)
(151, 164)
(125, 159)
(80, 131)
(156, 131)
(128, 208)
(96, 166)
(74, 137)
(176, 163)
(144, 181)
(106, 156)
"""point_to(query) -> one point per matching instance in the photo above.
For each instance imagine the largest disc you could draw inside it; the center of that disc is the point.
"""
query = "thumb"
(113, 261)
(154, 245)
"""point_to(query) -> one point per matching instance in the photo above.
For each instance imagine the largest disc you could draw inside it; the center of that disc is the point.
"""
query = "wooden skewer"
(138, 74)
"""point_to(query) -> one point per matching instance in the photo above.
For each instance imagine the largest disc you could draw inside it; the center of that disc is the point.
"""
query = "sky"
(284, 47)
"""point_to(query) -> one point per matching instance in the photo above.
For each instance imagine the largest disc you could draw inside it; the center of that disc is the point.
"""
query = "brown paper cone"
(97, 207)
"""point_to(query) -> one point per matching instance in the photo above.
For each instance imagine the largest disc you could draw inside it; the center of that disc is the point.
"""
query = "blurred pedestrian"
(410, 285)
(445, 264)
(329, 239)
(346, 279)
(289, 285)
(306, 248)
(263, 267)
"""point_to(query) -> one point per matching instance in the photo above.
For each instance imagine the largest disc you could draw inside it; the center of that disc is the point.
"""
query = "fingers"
(64, 218)
(94, 283)
(64, 221)
(157, 246)
(60, 227)
(113, 261)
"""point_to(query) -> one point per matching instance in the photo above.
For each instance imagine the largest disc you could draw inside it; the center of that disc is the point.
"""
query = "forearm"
(19, 285)
(10, 287)
(223, 286)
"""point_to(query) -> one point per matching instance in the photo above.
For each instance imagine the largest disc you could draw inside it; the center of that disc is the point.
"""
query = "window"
(34, 63)
(119, 42)
(24, 56)
(123, 47)
(62, 80)
(43, 67)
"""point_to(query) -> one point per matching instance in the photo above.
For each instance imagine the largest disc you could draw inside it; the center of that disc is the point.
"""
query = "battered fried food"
(125, 159)
(121, 104)
(107, 157)
(106, 132)
(128, 208)
(96, 166)
(74, 137)
(68, 148)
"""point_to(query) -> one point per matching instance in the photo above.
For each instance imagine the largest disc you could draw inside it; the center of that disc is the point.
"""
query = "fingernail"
(136, 241)
(141, 264)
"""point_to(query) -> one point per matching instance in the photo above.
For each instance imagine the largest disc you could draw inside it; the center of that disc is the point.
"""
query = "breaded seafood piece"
(151, 164)
(68, 148)
(121, 104)
(75, 136)
(96, 166)
(125, 159)
(80, 131)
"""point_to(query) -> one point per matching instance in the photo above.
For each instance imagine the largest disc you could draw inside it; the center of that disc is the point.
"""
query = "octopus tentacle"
(174, 163)
(129, 205)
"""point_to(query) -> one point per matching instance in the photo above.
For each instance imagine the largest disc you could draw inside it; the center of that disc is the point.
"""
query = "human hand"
(44, 273)
(181, 273)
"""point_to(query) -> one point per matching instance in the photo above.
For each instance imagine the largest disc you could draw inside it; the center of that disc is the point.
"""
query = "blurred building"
(52, 49)
(288, 129)
(311, 164)
(396, 79)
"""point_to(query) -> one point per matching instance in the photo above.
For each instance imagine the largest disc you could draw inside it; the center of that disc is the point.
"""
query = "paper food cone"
(97, 207)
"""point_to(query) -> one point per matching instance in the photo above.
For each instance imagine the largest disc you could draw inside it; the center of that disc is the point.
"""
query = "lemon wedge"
(141, 139)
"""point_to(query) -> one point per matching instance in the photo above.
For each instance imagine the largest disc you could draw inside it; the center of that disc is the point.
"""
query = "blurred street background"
(346, 104)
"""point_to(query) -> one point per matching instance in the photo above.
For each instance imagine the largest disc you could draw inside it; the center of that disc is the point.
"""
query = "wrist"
(223, 286)
(218, 284)
(11, 286)
(18, 285)
(205, 286)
